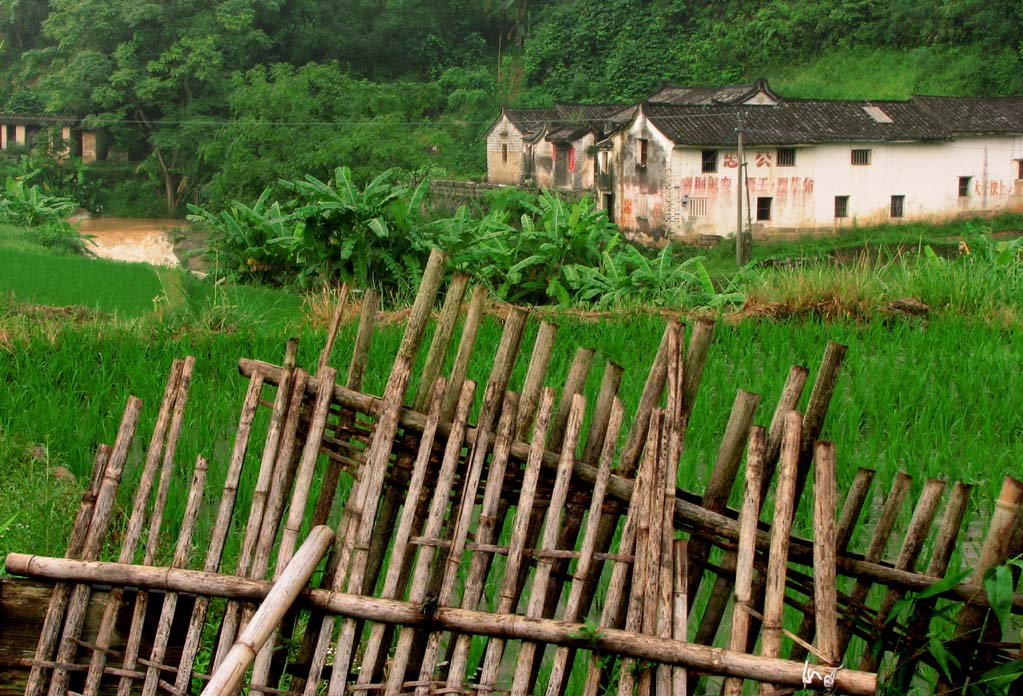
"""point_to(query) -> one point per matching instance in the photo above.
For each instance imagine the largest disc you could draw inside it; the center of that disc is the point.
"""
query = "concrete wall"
(505, 154)
(802, 197)
(642, 192)
(448, 195)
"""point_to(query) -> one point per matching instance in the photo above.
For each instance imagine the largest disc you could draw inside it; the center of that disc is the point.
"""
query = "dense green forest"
(227, 96)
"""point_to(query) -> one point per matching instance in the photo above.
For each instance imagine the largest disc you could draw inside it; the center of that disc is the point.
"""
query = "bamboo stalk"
(781, 527)
(332, 330)
(137, 517)
(441, 339)
(54, 617)
(363, 339)
(298, 504)
(788, 401)
(373, 648)
(170, 599)
(507, 596)
(94, 538)
(1004, 521)
(473, 317)
(227, 678)
(817, 407)
(875, 551)
(825, 590)
(695, 360)
(563, 657)
(653, 388)
(650, 582)
(747, 548)
(538, 594)
(490, 514)
(424, 561)
(221, 527)
(913, 541)
(680, 619)
(575, 383)
(539, 362)
(156, 520)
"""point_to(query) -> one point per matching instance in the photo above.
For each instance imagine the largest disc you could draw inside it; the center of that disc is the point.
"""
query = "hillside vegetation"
(223, 98)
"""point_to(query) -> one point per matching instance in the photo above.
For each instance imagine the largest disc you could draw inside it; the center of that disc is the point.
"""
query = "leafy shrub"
(27, 205)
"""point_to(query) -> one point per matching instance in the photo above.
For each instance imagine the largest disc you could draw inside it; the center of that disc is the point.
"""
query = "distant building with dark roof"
(668, 167)
(65, 135)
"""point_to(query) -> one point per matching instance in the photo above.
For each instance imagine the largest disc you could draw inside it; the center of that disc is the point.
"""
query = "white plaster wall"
(803, 196)
(499, 171)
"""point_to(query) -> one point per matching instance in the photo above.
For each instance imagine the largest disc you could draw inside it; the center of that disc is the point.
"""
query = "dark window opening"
(1019, 169)
(841, 206)
(898, 206)
(609, 206)
(504, 153)
(786, 157)
(710, 160)
(964, 186)
(764, 208)
(861, 157)
(643, 146)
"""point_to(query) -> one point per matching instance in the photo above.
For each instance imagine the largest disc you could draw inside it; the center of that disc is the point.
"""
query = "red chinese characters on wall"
(762, 158)
(705, 185)
(627, 206)
(730, 160)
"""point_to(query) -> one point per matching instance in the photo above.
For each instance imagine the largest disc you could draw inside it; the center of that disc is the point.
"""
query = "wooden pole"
(363, 339)
(742, 250)
(227, 678)
(441, 338)
(825, 595)
(539, 362)
(575, 383)
(332, 330)
(473, 318)
(747, 549)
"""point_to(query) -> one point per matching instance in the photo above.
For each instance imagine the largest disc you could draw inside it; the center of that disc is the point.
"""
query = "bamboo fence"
(488, 540)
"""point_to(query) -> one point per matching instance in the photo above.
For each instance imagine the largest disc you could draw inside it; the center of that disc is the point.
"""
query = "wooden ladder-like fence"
(489, 542)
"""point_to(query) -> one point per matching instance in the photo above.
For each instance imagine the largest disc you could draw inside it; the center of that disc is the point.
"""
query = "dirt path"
(133, 239)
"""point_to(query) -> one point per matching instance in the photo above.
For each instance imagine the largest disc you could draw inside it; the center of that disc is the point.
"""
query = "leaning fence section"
(509, 538)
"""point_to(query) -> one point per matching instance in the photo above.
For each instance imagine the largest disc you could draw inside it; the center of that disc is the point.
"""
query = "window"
(1019, 169)
(764, 208)
(786, 157)
(841, 206)
(710, 160)
(861, 157)
(554, 154)
(898, 206)
(504, 153)
(697, 206)
(643, 143)
(571, 158)
(964, 186)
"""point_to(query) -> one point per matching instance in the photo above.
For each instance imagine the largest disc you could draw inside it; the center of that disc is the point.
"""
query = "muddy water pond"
(143, 240)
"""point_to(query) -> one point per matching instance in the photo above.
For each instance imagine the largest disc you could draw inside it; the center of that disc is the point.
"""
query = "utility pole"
(743, 247)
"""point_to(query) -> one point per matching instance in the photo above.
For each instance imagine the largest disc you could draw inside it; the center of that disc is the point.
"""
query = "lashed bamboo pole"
(817, 407)
(575, 383)
(448, 570)
(156, 519)
(486, 528)
(267, 495)
(137, 517)
(507, 595)
(471, 326)
(680, 631)
(913, 541)
(374, 646)
(747, 547)
(876, 548)
(424, 561)
(634, 611)
(722, 479)
(650, 583)
(363, 339)
(542, 573)
(280, 476)
(221, 527)
(54, 617)
(332, 330)
(944, 545)
(563, 657)
(441, 339)
(227, 678)
(1004, 520)
(781, 527)
(825, 588)
(299, 500)
(170, 599)
(539, 361)
(94, 538)
(695, 360)
(499, 626)
(787, 402)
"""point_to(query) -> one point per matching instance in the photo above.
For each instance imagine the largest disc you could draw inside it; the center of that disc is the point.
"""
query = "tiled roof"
(39, 119)
(729, 94)
(975, 114)
(530, 120)
(575, 120)
(796, 122)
